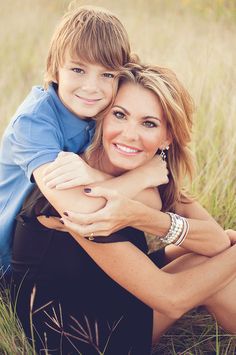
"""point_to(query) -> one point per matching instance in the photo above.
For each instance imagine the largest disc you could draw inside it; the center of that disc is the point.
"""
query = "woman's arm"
(134, 271)
(205, 236)
(170, 294)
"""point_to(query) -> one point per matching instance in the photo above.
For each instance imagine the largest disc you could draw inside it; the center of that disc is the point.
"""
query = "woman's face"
(134, 129)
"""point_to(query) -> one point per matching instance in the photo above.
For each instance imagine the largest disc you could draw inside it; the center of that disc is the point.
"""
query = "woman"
(82, 306)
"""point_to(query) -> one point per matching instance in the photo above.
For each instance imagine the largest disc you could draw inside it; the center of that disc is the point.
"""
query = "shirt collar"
(72, 123)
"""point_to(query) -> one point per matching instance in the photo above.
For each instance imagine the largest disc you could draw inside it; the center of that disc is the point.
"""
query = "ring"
(91, 237)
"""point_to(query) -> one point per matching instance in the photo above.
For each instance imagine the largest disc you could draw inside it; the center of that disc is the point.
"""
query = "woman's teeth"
(127, 149)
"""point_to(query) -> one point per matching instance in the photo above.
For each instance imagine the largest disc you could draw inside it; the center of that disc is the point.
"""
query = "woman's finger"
(86, 218)
(98, 191)
(86, 231)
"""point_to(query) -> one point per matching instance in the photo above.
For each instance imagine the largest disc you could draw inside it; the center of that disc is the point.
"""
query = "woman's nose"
(130, 132)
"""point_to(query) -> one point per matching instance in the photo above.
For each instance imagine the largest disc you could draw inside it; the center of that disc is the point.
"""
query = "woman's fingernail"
(65, 214)
(87, 190)
(61, 220)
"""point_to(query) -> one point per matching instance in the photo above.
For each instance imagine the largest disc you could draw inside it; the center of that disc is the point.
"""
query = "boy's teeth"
(126, 149)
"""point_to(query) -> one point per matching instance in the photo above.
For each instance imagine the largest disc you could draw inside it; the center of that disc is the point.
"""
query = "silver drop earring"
(163, 153)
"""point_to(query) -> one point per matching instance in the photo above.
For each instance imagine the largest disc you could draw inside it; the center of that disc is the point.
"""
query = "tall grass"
(196, 38)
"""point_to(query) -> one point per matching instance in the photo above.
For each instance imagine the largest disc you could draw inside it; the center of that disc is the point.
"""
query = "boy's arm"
(69, 171)
(68, 199)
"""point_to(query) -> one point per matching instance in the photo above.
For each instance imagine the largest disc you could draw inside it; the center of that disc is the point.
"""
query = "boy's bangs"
(99, 45)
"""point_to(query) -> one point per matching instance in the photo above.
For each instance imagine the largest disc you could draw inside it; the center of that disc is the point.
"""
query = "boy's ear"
(55, 78)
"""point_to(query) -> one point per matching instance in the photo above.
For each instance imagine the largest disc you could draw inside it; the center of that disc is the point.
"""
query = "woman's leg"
(221, 305)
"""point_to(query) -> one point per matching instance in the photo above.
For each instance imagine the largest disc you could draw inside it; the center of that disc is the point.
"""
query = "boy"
(87, 49)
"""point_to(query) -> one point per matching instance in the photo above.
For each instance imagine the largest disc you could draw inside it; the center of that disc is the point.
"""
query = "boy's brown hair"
(93, 34)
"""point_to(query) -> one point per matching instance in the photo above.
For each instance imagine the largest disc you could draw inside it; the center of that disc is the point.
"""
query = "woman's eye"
(149, 124)
(78, 70)
(119, 114)
(108, 75)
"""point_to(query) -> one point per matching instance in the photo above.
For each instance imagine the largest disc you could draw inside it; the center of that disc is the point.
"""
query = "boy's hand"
(155, 172)
(69, 170)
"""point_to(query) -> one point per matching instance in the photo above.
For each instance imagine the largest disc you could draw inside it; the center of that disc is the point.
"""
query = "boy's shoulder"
(39, 102)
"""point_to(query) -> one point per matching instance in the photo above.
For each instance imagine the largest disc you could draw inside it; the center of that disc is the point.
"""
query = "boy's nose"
(90, 84)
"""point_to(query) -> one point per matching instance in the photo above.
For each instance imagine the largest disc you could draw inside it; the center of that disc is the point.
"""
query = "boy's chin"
(90, 113)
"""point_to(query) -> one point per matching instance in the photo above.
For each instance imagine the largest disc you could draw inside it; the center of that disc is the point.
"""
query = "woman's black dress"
(74, 307)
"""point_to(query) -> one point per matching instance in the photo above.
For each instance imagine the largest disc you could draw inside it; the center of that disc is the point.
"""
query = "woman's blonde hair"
(92, 34)
(177, 107)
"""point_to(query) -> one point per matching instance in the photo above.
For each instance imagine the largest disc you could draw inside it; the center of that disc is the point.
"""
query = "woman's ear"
(168, 140)
(166, 144)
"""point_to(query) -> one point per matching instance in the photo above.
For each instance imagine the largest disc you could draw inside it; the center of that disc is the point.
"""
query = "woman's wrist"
(150, 220)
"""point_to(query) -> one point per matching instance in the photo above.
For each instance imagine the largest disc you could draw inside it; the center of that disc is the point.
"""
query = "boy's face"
(84, 88)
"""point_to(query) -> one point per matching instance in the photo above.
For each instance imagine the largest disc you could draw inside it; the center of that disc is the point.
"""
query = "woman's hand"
(232, 236)
(52, 223)
(119, 212)
(68, 171)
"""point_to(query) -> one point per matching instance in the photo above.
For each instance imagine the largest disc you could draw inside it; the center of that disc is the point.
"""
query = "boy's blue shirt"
(40, 129)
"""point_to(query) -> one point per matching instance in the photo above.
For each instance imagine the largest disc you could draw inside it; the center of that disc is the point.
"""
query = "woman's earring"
(163, 153)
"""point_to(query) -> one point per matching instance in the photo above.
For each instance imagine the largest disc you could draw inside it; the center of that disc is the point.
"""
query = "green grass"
(12, 338)
(196, 38)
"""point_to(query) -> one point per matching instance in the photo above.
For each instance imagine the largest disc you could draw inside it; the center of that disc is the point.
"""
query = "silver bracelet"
(184, 233)
(178, 230)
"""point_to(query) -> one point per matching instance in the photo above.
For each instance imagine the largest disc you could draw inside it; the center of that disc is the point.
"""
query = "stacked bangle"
(178, 230)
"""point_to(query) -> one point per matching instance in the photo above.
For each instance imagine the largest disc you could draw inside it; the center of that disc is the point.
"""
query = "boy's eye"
(149, 124)
(108, 75)
(119, 114)
(78, 70)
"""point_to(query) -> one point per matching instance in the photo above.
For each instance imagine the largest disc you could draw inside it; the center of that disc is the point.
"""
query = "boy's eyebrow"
(77, 63)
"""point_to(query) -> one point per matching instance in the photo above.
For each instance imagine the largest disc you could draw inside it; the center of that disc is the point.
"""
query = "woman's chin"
(126, 167)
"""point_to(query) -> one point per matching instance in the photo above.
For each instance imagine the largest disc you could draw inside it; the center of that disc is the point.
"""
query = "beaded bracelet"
(178, 230)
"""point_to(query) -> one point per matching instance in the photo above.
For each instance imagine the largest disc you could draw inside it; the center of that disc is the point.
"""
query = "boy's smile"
(85, 88)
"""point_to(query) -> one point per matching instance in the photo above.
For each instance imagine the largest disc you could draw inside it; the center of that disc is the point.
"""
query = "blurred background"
(196, 38)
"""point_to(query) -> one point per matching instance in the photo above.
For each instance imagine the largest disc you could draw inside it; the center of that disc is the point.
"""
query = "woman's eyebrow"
(154, 117)
(122, 108)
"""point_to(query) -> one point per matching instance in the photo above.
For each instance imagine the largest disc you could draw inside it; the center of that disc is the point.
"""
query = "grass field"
(196, 38)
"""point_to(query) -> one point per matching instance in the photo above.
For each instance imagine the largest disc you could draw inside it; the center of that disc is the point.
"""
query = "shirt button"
(87, 128)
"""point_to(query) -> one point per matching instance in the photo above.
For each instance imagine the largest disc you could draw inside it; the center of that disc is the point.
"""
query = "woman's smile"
(126, 150)
(133, 130)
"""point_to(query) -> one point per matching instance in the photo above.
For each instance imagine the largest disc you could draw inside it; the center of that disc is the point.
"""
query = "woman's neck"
(99, 161)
